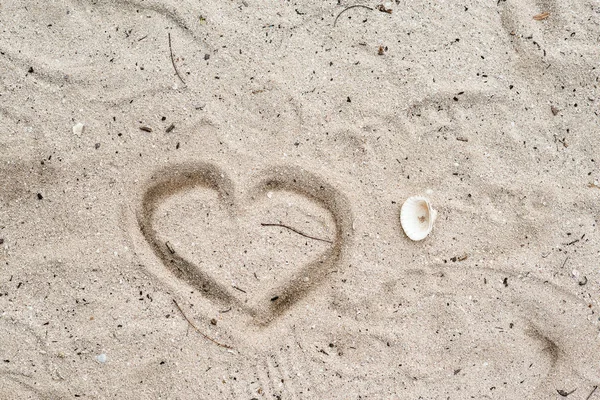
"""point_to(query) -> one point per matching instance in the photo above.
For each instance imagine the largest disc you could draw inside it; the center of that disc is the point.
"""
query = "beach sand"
(226, 225)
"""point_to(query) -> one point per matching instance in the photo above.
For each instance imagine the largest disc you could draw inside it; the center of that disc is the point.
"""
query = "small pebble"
(575, 273)
(101, 358)
(78, 129)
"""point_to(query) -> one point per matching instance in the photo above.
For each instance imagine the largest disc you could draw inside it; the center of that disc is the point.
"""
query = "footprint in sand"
(26, 371)
(546, 32)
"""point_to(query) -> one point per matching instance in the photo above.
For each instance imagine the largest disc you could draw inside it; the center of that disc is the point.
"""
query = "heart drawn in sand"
(271, 297)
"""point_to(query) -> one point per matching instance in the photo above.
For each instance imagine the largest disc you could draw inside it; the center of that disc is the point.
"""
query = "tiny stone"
(39, 196)
(206, 56)
(78, 128)
(97, 146)
(101, 358)
(213, 321)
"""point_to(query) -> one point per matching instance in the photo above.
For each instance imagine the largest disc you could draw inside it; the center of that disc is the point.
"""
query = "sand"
(148, 254)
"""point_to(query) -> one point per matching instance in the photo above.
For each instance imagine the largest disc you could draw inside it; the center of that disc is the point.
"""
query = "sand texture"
(201, 199)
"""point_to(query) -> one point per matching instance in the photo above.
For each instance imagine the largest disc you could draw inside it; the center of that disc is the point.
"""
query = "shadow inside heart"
(211, 237)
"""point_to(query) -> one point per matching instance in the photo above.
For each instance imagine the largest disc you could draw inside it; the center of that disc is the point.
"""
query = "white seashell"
(417, 217)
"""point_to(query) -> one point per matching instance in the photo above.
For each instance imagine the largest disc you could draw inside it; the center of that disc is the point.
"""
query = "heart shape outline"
(293, 288)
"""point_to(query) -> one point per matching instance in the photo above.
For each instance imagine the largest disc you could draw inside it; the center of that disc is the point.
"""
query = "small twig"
(348, 8)
(593, 391)
(298, 232)
(198, 330)
(173, 60)
(565, 262)
(170, 247)
(240, 289)
(564, 393)
(142, 38)
(225, 311)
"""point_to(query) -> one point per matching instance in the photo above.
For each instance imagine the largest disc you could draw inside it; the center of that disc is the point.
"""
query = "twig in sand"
(298, 232)
(238, 288)
(565, 262)
(170, 247)
(564, 393)
(173, 60)
(348, 8)
(382, 8)
(198, 330)
(593, 391)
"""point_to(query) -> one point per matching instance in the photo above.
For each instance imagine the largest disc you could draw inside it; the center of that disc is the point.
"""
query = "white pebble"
(78, 128)
(101, 358)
